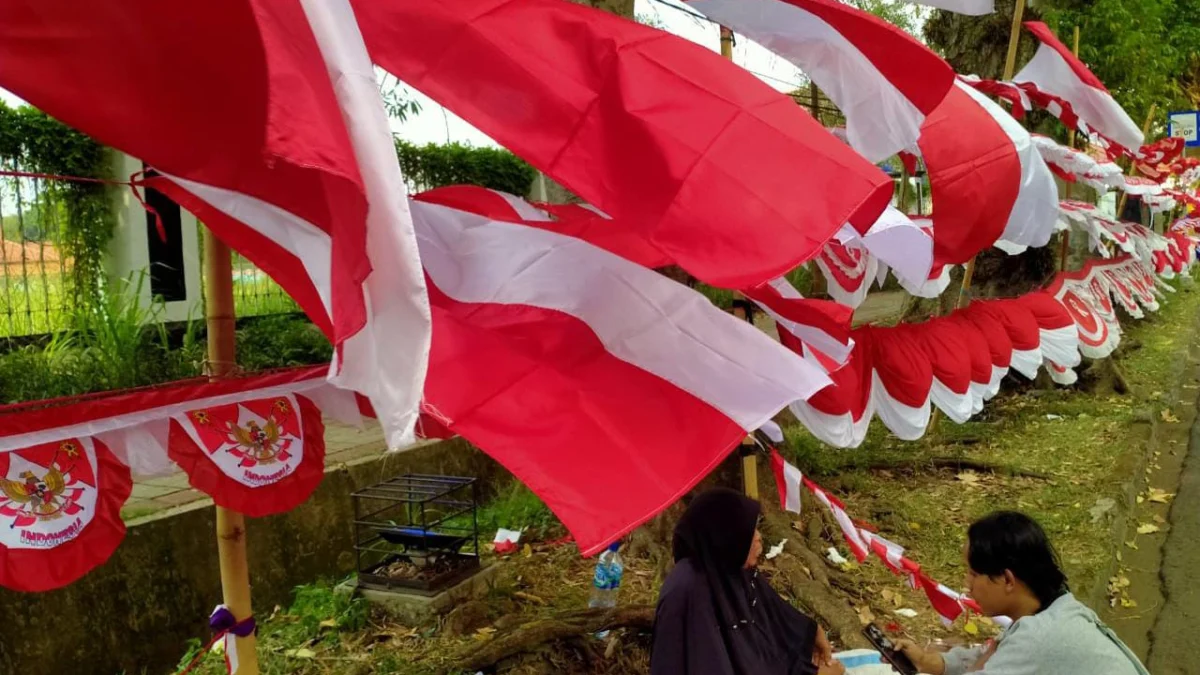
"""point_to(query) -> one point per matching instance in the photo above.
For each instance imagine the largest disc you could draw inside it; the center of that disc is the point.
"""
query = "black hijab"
(716, 618)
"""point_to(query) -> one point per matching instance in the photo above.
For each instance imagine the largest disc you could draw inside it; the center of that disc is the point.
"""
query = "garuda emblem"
(33, 498)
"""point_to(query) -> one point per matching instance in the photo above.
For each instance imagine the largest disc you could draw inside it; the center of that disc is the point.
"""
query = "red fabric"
(838, 258)
(263, 500)
(39, 570)
(944, 344)
(921, 75)
(257, 115)
(974, 175)
(614, 237)
(901, 364)
(1048, 312)
(1018, 322)
(851, 388)
(993, 331)
(946, 606)
(41, 415)
(554, 407)
(706, 164)
(777, 463)
(1043, 33)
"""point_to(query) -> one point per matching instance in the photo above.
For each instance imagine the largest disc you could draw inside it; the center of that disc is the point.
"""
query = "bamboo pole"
(1066, 234)
(1133, 164)
(231, 525)
(1010, 65)
(748, 449)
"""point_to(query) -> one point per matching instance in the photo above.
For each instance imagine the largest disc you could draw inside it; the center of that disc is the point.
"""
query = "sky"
(435, 124)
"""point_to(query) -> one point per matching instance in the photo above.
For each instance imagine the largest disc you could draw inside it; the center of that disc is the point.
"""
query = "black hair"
(1007, 540)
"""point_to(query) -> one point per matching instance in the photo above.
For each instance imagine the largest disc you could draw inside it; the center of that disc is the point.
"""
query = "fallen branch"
(530, 636)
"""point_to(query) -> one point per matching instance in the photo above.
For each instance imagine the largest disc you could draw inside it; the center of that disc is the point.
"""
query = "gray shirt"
(1065, 638)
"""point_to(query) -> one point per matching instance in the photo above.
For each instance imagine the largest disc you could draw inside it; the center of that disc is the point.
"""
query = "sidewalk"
(343, 444)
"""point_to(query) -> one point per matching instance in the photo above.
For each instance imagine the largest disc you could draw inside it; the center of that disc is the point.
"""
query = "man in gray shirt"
(1013, 571)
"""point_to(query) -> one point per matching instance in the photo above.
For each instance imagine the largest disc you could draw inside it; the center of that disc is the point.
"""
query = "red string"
(133, 183)
(202, 653)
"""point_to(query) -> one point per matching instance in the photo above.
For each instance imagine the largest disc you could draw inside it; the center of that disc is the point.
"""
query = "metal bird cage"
(417, 533)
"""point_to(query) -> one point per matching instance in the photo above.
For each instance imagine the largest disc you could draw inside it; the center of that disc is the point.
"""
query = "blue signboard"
(1185, 124)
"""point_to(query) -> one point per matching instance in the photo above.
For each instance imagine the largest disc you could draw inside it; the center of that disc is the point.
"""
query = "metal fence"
(255, 293)
(34, 295)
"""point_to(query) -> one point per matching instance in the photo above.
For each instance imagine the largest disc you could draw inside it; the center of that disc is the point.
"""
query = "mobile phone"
(888, 651)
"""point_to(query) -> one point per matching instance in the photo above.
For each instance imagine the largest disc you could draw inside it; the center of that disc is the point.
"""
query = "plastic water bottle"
(607, 581)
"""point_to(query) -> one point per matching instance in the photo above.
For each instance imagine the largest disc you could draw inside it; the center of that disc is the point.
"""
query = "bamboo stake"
(1066, 234)
(1133, 164)
(231, 525)
(747, 448)
(1010, 65)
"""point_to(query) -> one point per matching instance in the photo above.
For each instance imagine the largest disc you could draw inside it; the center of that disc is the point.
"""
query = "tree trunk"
(978, 44)
(619, 7)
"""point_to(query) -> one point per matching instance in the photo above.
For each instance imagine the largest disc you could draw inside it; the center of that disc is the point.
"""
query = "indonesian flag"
(1055, 70)
(582, 365)
(789, 480)
(883, 80)
(987, 179)
(946, 602)
(265, 121)
(968, 7)
(659, 133)
(858, 546)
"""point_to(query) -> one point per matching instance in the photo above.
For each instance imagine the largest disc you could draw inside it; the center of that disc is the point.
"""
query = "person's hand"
(927, 662)
(822, 650)
(834, 667)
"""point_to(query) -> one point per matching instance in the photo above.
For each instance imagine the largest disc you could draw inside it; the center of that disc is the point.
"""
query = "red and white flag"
(277, 140)
(789, 480)
(968, 7)
(703, 144)
(883, 80)
(987, 179)
(1055, 70)
(578, 384)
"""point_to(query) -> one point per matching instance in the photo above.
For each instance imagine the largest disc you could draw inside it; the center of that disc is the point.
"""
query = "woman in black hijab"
(715, 616)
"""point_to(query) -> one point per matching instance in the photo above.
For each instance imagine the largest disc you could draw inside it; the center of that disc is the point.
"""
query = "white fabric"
(1027, 362)
(907, 423)
(1034, 213)
(388, 358)
(958, 407)
(880, 121)
(993, 386)
(897, 241)
(840, 431)
(642, 317)
(523, 208)
(772, 431)
(1061, 374)
(1061, 345)
(931, 288)
(968, 7)
(1053, 75)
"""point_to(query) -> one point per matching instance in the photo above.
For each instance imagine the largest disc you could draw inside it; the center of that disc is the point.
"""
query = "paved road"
(1174, 639)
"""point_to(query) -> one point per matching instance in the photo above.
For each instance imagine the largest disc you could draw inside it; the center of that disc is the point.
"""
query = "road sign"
(1186, 124)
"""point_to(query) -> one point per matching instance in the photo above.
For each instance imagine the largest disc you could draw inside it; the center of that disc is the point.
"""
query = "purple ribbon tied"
(222, 621)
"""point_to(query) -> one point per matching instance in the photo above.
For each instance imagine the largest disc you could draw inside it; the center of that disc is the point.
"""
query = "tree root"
(956, 463)
(535, 634)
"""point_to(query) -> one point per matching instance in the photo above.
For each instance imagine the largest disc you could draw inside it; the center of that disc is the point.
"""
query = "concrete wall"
(129, 253)
(139, 610)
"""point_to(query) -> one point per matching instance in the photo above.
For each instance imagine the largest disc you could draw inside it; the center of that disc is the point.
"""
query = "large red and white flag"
(658, 132)
(987, 179)
(277, 140)
(1055, 70)
(883, 79)
(582, 365)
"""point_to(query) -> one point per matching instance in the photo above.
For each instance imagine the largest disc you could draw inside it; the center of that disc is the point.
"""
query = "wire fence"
(34, 294)
(256, 294)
